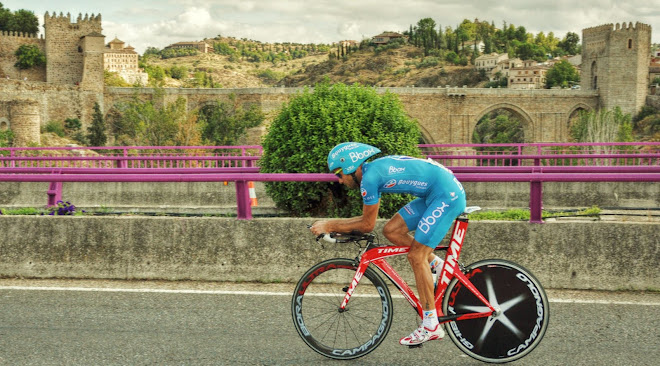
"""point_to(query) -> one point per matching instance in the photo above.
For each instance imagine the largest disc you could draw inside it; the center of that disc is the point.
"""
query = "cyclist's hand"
(318, 228)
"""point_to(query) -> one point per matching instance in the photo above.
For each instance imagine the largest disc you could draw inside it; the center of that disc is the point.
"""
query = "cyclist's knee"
(418, 254)
(396, 231)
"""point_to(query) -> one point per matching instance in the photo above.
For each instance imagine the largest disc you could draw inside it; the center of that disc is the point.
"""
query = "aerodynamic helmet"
(349, 156)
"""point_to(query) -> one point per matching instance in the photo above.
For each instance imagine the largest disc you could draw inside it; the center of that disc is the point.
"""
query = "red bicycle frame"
(377, 256)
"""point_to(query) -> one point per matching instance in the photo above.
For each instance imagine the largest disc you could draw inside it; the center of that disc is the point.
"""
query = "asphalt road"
(47, 322)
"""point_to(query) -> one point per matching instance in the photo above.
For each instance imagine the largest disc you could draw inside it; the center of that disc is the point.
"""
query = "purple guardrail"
(547, 154)
(131, 156)
(534, 163)
(244, 211)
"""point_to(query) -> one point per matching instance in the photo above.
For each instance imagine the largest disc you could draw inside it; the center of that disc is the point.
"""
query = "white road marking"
(269, 293)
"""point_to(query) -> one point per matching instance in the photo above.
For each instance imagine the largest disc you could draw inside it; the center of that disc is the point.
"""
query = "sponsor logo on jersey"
(390, 184)
(426, 222)
(409, 210)
(363, 192)
(395, 170)
(414, 183)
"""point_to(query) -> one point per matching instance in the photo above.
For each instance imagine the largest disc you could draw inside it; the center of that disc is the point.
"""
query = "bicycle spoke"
(519, 322)
(341, 333)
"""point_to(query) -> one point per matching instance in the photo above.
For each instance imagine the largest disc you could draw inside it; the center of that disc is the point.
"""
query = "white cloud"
(161, 22)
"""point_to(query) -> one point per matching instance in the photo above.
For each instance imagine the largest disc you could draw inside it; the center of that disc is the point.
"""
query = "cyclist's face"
(346, 179)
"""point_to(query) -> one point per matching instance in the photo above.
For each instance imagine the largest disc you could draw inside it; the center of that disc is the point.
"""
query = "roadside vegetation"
(524, 214)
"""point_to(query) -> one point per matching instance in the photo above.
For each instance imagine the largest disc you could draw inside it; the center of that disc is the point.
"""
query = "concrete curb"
(573, 255)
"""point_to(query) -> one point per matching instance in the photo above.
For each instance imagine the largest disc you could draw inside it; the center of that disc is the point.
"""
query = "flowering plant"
(63, 208)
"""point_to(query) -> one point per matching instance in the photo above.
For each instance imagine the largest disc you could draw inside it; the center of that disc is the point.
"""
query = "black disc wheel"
(341, 333)
(520, 320)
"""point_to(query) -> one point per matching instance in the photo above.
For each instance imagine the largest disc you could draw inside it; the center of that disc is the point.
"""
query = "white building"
(124, 61)
(489, 62)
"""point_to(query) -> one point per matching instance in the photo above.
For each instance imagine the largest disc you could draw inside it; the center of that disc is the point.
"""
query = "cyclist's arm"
(364, 223)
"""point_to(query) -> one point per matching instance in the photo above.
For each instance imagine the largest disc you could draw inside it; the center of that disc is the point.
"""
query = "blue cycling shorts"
(431, 219)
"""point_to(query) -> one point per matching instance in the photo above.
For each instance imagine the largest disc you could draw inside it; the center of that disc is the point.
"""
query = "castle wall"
(615, 61)
(23, 117)
(54, 102)
(9, 43)
(64, 47)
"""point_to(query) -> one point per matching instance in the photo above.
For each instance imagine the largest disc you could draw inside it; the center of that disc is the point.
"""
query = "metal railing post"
(536, 202)
(243, 206)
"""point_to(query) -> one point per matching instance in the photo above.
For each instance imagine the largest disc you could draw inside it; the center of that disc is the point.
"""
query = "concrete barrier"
(575, 255)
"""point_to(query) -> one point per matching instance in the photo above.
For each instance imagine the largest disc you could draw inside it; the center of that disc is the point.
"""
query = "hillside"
(402, 66)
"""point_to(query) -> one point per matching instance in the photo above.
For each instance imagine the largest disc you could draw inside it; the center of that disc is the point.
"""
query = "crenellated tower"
(615, 61)
(74, 51)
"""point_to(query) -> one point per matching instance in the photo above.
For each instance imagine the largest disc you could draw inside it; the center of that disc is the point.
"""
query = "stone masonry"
(615, 62)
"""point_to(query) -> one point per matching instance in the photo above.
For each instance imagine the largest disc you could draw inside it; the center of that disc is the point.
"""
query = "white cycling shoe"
(421, 335)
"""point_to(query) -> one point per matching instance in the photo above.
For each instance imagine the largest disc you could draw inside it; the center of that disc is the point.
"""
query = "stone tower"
(74, 51)
(615, 61)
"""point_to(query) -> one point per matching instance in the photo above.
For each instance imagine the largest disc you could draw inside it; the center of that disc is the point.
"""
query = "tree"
(24, 21)
(602, 126)
(562, 74)
(498, 127)
(224, 123)
(143, 123)
(29, 56)
(570, 44)
(19, 21)
(425, 34)
(96, 131)
(307, 128)
(529, 51)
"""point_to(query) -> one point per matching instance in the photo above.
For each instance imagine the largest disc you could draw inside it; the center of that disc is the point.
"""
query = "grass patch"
(523, 215)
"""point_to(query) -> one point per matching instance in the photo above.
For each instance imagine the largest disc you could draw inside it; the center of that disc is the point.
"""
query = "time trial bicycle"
(494, 310)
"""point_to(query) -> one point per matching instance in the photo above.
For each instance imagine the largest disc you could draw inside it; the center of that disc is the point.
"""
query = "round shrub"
(311, 124)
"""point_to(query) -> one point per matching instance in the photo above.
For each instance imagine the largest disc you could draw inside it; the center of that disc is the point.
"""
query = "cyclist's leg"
(397, 229)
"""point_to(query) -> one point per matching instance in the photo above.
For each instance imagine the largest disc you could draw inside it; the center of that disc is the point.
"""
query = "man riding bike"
(441, 199)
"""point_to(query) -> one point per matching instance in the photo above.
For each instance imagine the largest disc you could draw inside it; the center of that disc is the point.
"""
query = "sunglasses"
(338, 173)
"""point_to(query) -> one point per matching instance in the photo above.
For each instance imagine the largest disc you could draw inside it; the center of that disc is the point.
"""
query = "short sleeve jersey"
(426, 179)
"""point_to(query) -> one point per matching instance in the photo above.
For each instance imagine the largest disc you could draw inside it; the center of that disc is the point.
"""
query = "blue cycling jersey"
(441, 195)
(403, 174)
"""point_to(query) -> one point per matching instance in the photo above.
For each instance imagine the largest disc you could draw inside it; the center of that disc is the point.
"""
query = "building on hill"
(489, 62)
(503, 68)
(386, 37)
(124, 61)
(530, 76)
(201, 46)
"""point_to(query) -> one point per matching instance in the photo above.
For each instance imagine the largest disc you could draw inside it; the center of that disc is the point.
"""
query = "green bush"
(311, 124)
(6, 139)
(56, 127)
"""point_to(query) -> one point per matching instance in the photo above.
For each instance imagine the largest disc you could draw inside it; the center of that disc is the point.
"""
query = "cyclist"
(441, 199)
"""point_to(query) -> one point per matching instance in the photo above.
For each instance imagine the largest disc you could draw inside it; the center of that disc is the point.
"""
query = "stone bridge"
(445, 115)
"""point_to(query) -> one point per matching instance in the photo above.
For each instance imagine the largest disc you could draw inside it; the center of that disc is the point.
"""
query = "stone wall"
(9, 43)
(54, 102)
(64, 48)
(615, 62)
(653, 101)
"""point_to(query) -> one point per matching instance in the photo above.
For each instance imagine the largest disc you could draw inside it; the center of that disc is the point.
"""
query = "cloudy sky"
(158, 23)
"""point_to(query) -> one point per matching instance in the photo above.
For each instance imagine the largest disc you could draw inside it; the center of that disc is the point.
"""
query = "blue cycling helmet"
(349, 156)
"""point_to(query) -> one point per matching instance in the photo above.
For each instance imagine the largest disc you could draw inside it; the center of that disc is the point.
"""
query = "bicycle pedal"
(416, 345)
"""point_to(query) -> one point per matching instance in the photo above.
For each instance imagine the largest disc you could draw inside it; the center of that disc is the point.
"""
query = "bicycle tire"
(513, 333)
(348, 334)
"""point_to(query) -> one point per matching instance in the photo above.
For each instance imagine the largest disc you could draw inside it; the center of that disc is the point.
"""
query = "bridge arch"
(571, 116)
(525, 119)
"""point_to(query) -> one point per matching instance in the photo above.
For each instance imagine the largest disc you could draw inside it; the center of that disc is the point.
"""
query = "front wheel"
(330, 331)
(521, 318)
